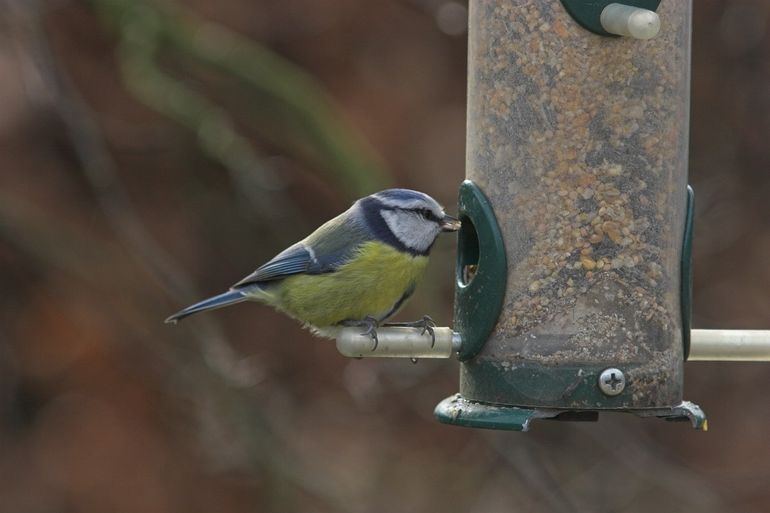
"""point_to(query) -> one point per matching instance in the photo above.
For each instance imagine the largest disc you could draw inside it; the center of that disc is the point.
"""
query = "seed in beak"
(449, 224)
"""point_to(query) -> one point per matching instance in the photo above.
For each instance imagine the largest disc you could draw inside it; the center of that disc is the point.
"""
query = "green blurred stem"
(341, 151)
(212, 125)
(295, 99)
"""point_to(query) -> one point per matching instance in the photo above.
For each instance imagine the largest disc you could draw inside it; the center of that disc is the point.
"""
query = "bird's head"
(411, 218)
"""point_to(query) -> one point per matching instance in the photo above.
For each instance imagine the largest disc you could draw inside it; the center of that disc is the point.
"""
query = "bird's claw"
(370, 323)
(371, 330)
(426, 323)
(427, 327)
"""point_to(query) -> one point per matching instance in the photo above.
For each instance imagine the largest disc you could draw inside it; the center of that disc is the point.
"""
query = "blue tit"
(357, 269)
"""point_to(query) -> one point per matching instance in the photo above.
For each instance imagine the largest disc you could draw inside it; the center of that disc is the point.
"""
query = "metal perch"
(705, 345)
(729, 346)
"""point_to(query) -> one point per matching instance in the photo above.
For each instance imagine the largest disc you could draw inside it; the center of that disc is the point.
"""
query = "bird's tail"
(228, 298)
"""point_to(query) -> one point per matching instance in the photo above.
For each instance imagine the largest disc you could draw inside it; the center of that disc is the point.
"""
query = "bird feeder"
(573, 268)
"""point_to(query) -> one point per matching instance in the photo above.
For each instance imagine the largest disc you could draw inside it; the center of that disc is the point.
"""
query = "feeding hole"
(467, 252)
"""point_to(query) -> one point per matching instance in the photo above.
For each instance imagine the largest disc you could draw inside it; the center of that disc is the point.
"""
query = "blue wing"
(325, 250)
(295, 259)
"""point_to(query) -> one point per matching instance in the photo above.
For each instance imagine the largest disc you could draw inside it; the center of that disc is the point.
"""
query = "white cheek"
(412, 230)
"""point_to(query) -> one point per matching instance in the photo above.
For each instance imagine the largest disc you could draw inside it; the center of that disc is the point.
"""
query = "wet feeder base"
(458, 411)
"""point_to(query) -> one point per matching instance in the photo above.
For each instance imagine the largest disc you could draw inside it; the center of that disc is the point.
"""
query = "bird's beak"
(449, 224)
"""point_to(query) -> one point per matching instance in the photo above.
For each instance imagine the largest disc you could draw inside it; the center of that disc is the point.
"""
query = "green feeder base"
(459, 411)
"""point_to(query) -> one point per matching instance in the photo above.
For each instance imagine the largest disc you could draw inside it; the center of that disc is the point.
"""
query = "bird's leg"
(426, 323)
(370, 323)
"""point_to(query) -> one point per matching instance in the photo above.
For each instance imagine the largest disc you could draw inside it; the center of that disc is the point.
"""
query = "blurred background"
(152, 153)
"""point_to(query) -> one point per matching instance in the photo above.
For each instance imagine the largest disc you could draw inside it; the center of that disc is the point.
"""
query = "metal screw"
(612, 381)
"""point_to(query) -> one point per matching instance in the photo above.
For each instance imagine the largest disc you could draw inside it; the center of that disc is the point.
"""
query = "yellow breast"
(369, 285)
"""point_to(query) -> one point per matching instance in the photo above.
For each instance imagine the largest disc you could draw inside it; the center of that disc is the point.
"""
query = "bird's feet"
(426, 323)
(371, 324)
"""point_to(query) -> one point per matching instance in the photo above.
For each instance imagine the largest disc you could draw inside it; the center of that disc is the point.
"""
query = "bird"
(357, 269)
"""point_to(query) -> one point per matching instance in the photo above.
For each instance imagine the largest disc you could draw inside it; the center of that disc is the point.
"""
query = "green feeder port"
(481, 271)
(633, 18)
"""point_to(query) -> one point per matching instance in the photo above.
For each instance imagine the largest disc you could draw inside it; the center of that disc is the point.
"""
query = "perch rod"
(705, 345)
(730, 345)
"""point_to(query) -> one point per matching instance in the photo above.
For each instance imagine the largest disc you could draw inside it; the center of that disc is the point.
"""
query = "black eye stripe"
(424, 212)
(428, 214)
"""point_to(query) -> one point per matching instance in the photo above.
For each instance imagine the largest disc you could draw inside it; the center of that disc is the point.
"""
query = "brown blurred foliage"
(131, 187)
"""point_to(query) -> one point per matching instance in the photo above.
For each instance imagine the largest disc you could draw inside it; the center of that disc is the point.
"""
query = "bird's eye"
(429, 215)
